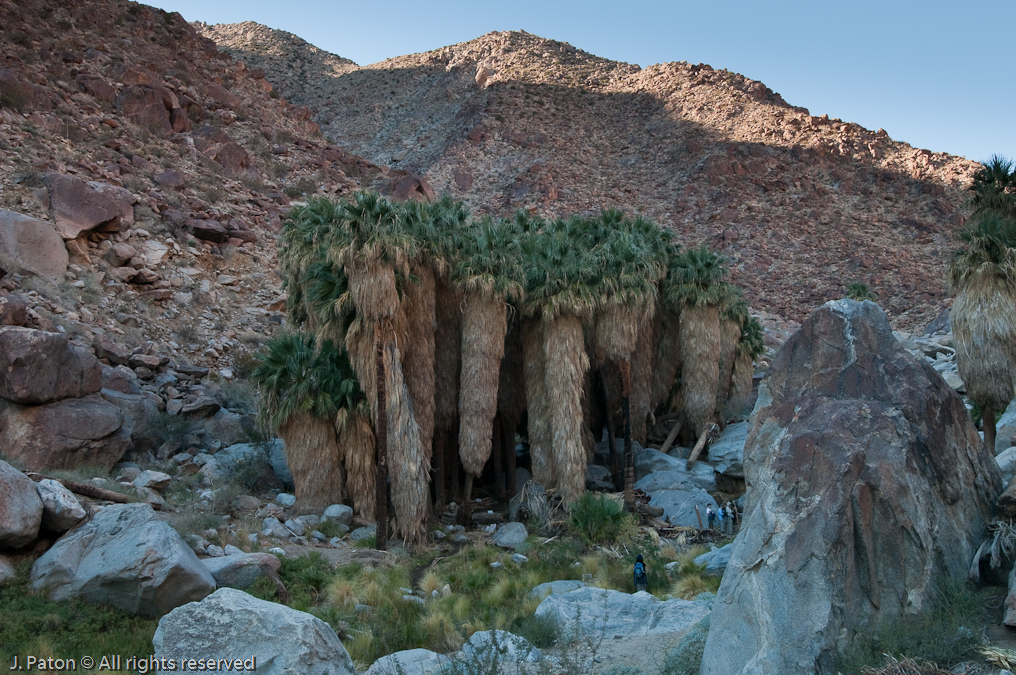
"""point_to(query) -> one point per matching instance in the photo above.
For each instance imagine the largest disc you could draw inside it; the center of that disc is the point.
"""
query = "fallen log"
(672, 436)
(648, 509)
(85, 489)
(699, 446)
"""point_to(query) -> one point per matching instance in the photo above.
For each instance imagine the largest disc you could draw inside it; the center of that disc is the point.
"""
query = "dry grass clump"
(905, 666)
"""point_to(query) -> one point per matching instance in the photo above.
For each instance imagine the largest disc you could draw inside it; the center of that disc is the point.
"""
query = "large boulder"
(125, 557)
(598, 613)
(20, 508)
(241, 570)
(1005, 430)
(31, 246)
(650, 460)
(716, 560)
(77, 207)
(61, 510)
(868, 486)
(66, 434)
(678, 503)
(138, 412)
(41, 367)
(411, 662)
(727, 453)
(232, 624)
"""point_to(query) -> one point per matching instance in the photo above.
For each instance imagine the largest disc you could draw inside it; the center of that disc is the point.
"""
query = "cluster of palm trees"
(464, 333)
(983, 276)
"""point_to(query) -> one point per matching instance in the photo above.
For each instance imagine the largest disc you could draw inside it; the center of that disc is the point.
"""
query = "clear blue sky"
(937, 74)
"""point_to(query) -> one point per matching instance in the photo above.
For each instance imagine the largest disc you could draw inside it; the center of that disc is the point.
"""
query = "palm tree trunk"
(312, 454)
(419, 352)
(381, 500)
(496, 454)
(484, 324)
(537, 404)
(612, 453)
(411, 475)
(700, 355)
(988, 422)
(629, 455)
(567, 363)
(730, 333)
(356, 436)
(641, 384)
(438, 467)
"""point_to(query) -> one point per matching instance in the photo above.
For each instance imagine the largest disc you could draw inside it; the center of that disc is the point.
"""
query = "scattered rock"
(600, 613)
(241, 570)
(366, 532)
(7, 571)
(410, 662)
(285, 500)
(125, 557)
(229, 621)
(21, 508)
(339, 513)
(510, 535)
(153, 479)
(61, 509)
(31, 246)
(41, 367)
(716, 560)
(564, 586)
(77, 207)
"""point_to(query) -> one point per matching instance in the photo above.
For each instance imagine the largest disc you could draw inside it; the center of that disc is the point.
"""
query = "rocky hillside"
(802, 205)
(163, 166)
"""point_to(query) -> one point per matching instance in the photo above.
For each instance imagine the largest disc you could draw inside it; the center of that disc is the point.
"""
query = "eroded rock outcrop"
(868, 485)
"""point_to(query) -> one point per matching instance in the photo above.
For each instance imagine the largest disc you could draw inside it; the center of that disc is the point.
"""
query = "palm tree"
(696, 285)
(994, 188)
(375, 250)
(733, 314)
(632, 259)
(489, 271)
(303, 390)
(561, 271)
(984, 314)
(750, 346)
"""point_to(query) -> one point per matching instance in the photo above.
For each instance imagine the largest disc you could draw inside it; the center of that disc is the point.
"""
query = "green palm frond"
(753, 341)
(328, 297)
(490, 259)
(994, 188)
(560, 263)
(372, 232)
(988, 251)
(696, 277)
(295, 376)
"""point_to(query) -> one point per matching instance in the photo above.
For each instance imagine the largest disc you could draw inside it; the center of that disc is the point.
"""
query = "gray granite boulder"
(241, 570)
(727, 453)
(487, 646)
(870, 487)
(61, 510)
(410, 662)
(510, 535)
(606, 614)
(650, 461)
(716, 560)
(21, 508)
(125, 557)
(564, 586)
(232, 624)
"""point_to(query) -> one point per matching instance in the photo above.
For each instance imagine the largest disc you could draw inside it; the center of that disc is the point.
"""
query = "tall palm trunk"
(566, 362)
(381, 500)
(484, 325)
(447, 368)
(984, 329)
(314, 459)
(629, 454)
(741, 381)
(642, 363)
(730, 334)
(700, 374)
(418, 353)
(538, 403)
(668, 356)
(356, 437)
(410, 474)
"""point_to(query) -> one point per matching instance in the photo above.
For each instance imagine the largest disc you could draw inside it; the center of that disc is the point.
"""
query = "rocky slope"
(802, 205)
(164, 166)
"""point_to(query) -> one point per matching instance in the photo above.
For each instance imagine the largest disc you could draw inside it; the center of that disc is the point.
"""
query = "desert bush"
(168, 427)
(597, 518)
(860, 291)
(686, 657)
(946, 634)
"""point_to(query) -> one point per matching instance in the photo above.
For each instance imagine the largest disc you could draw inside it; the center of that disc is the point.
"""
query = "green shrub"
(947, 633)
(860, 291)
(596, 518)
(686, 657)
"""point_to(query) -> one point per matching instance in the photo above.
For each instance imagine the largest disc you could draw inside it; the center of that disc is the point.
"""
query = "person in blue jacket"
(641, 578)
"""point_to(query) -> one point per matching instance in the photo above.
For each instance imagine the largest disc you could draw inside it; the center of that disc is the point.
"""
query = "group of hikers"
(727, 515)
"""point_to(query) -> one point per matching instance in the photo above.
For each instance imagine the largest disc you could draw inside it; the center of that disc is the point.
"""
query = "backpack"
(640, 571)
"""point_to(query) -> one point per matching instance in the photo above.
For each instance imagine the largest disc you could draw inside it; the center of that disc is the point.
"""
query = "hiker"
(734, 516)
(719, 517)
(641, 579)
(710, 516)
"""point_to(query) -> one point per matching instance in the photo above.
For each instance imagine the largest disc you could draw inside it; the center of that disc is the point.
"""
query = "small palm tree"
(994, 188)
(751, 345)
(696, 285)
(489, 272)
(303, 389)
(984, 314)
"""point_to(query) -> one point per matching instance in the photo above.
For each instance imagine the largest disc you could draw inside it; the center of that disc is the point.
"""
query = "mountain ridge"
(802, 205)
